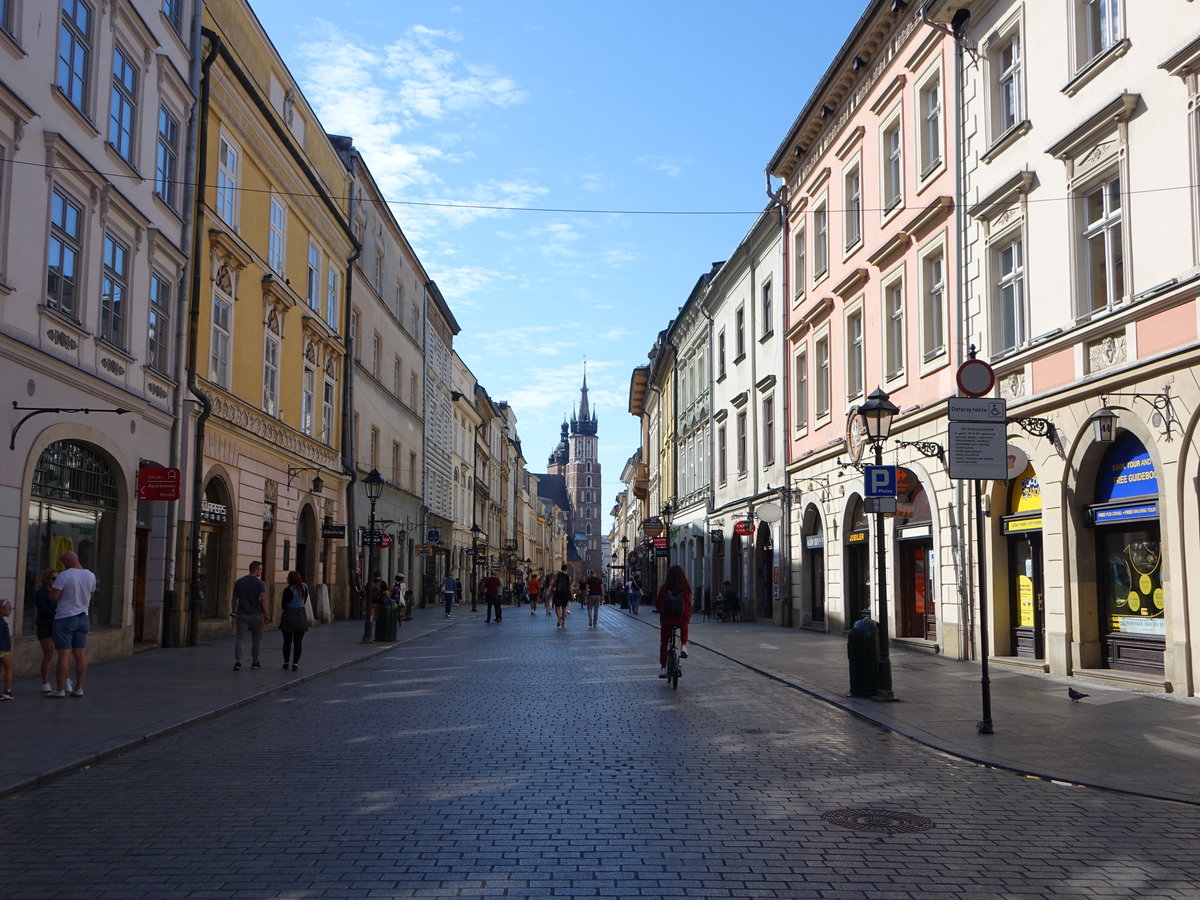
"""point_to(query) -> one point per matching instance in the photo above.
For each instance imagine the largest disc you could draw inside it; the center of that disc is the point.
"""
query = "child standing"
(6, 649)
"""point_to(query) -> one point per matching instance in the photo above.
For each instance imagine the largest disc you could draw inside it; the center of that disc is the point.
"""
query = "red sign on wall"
(156, 483)
(744, 527)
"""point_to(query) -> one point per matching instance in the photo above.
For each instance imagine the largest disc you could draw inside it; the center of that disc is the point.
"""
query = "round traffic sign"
(975, 378)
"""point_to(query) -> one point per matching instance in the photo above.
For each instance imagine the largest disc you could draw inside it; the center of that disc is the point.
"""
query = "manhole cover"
(877, 820)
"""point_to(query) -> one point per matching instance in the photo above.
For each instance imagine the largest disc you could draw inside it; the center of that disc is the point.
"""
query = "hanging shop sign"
(426, 550)
(376, 539)
(333, 532)
(158, 483)
(745, 528)
(213, 513)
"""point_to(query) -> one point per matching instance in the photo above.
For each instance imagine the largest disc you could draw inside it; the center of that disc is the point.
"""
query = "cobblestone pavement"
(520, 760)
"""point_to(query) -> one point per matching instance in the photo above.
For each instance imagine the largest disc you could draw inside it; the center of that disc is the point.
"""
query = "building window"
(113, 283)
(376, 353)
(1010, 289)
(222, 334)
(228, 158)
(739, 320)
(373, 448)
(270, 396)
(1007, 61)
(933, 306)
(158, 351)
(854, 354)
(396, 465)
(308, 400)
(62, 264)
(74, 51)
(742, 441)
(173, 11)
(820, 242)
(893, 167)
(822, 374)
(354, 334)
(852, 200)
(327, 410)
(412, 391)
(1103, 254)
(801, 259)
(397, 376)
(721, 354)
(722, 455)
(123, 105)
(413, 480)
(768, 312)
(800, 368)
(166, 158)
(277, 235)
(313, 282)
(331, 296)
(931, 126)
(768, 430)
(1101, 26)
(893, 309)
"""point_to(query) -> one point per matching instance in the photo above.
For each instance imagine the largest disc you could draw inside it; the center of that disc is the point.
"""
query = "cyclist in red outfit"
(675, 586)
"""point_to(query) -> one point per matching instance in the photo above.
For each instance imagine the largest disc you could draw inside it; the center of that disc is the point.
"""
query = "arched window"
(589, 481)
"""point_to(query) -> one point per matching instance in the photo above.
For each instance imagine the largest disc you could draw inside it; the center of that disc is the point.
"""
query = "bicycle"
(674, 669)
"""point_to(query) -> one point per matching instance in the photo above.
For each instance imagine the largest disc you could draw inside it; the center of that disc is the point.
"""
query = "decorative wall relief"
(1106, 352)
(1012, 386)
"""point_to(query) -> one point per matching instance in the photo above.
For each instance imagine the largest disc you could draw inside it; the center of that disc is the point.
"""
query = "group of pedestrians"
(251, 611)
(62, 606)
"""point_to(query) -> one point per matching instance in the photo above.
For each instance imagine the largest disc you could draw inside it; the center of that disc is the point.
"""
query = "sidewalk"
(1119, 739)
(150, 694)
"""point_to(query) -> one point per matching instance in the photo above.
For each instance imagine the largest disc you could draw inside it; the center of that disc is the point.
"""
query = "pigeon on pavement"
(1075, 695)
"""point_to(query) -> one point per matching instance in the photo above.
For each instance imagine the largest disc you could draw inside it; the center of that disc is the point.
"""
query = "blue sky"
(665, 111)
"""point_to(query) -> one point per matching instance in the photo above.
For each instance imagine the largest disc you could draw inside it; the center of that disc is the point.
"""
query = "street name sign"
(333, 532)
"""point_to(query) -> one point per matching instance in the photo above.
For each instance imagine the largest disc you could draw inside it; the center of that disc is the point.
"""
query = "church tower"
(582, 474)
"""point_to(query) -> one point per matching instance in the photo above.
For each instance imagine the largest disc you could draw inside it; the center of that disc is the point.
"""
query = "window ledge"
(1095, 66)
(1006, 140)
(9, 41)
(737, 359)
(766, 337)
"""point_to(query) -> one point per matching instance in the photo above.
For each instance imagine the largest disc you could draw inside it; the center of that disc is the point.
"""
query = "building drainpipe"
(349, 438)
(168, 637)
(196, 590)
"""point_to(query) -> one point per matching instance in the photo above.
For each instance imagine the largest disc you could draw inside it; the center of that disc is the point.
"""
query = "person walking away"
(400, 598)
(535, 590)
(633, 590)
(293, 619)
(44, 622)
(595, 596)
(250, 612)
(6, 664)
(561, 593)
(71, 595)
(377, 592)
(491, 596)
(674, 606)
(449, 589)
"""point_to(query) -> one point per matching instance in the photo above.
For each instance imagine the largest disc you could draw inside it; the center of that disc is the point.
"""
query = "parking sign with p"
(879, 481)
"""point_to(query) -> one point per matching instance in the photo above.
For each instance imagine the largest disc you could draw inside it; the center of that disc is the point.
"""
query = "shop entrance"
(856, 568)
(1132, 597)
(814, 566)
(918, 612)
(1026, 596)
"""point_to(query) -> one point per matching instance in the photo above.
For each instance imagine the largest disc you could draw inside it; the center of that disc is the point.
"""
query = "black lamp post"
(877, 415)
(374, 483)
(476, 531)
(625, 557)
(666, 514)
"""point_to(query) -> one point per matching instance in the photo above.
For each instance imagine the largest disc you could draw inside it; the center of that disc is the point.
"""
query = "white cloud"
(661, 164)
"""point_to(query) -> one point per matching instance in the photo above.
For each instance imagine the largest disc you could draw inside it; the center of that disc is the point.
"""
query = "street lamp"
(374, 483)
(666, 514)
(476, 531)
(877, 415)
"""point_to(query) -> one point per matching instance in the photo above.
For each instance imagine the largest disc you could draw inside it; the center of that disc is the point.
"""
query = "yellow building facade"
(272, 250)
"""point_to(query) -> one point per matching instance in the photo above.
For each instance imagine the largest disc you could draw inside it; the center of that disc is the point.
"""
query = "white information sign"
(978, 450)
(973, 409)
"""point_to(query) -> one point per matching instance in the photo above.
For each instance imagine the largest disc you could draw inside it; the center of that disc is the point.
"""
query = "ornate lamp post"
(877, 415)
(476, 532)
(374, 483)
(666, 514)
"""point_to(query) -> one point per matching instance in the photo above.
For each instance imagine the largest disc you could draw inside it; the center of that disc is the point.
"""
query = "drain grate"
(881, 821)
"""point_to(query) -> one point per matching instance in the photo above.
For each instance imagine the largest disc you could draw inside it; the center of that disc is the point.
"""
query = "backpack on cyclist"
(673, 603)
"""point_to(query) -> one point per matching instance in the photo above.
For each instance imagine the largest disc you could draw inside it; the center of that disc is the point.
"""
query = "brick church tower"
(576, 460)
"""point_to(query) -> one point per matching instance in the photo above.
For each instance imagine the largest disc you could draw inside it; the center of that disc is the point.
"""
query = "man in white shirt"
(71, 595)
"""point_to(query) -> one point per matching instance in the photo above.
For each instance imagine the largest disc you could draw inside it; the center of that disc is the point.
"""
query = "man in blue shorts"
(71, 595)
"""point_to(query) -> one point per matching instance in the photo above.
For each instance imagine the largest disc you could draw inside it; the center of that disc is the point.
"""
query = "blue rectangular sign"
(879, 481)
(1133, 512)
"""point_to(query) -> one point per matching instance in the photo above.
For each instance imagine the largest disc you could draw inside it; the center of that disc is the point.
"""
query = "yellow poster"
(1025, 601)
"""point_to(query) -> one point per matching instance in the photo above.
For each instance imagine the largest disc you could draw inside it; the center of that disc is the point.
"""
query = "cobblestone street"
(520, 760)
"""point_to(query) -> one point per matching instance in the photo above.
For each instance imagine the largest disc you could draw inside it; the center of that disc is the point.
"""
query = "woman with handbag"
(293, 621)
